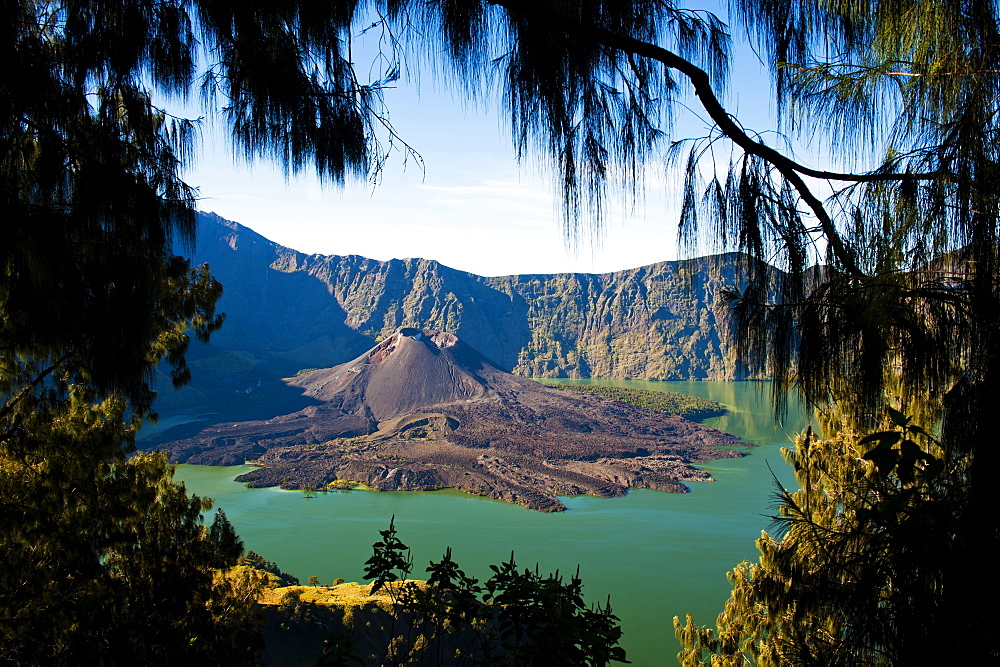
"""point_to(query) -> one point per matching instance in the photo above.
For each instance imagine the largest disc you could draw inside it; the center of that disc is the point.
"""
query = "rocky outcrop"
(424, 410)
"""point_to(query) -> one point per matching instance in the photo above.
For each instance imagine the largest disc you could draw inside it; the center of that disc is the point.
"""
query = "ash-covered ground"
(422, 410)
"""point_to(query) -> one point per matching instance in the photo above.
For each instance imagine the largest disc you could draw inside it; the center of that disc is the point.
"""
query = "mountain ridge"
(289, 310)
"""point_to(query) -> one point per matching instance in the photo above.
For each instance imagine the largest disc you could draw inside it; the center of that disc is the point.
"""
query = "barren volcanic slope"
(422, 410)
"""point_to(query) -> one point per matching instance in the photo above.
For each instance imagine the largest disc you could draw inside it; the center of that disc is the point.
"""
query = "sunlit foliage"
(855, 571)
(871, 554)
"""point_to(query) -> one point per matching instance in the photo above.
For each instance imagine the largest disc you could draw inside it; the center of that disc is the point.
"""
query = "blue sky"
(472, 207)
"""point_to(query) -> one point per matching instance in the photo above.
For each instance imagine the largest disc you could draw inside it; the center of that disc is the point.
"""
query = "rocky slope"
(423, 410)
(287, 310)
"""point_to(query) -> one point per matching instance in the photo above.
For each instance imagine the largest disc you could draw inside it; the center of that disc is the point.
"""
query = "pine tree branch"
(12, 403)
(791, 170)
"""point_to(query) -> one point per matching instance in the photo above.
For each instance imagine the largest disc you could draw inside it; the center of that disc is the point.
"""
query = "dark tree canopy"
(90, 171)
(93, 297)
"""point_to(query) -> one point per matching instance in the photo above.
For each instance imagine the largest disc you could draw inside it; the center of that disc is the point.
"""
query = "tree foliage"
(886, 548)
(91, 165)
(516, 617)
(855, 571)
(119, 537)
(595, 111)
(93, 298)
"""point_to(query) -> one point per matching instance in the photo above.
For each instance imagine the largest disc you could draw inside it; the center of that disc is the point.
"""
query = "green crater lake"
(658, 555)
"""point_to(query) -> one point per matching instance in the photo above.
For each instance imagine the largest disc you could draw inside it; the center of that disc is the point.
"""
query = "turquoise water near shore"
(657, 554)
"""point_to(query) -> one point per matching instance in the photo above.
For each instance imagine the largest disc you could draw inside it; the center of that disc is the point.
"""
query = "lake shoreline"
(657, 554)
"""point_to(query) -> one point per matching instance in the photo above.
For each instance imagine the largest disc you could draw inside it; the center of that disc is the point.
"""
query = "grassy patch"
(671, 402)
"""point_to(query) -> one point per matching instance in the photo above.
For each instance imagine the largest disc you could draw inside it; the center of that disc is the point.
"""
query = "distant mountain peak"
(411, 369)
(440, 339)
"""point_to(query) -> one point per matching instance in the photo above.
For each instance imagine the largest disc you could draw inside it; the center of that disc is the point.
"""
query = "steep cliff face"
(655, 322)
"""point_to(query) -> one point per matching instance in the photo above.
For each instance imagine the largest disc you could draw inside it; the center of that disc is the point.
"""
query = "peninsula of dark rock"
(423, 410)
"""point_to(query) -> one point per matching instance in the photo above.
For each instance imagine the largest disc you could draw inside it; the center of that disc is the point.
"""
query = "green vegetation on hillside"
(276, 577)
(671, 402)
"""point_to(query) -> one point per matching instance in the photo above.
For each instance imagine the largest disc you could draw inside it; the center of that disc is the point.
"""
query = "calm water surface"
(657, 554)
